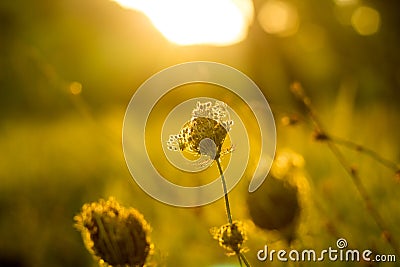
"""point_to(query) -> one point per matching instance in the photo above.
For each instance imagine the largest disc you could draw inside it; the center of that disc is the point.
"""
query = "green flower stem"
(240, 260)
(228, 209)
(243, 257)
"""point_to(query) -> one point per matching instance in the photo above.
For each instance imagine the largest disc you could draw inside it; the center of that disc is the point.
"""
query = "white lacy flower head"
(218, 112)
(205, 132)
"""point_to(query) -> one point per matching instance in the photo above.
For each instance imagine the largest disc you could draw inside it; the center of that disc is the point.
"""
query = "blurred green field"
(67, 72)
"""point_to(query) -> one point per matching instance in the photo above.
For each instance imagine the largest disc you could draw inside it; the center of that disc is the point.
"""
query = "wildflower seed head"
(231, 237)
(218, 112)
(205, 132)
(114, 235)
(275, 206)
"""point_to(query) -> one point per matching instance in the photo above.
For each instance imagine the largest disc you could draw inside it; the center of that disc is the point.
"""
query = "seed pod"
(275, 206)
(230, 237)
(114, 235)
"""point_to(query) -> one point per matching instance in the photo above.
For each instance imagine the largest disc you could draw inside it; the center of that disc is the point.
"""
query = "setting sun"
(192, 22)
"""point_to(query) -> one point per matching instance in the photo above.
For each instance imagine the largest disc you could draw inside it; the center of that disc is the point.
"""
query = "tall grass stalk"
(323, 135)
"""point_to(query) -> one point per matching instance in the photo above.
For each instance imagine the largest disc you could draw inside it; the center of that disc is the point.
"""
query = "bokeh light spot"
(75, 88)
(366, 20)
(343, 13)
(278, 17)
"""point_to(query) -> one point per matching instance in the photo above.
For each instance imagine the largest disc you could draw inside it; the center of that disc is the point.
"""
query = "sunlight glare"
(346, 2)
(192, 22)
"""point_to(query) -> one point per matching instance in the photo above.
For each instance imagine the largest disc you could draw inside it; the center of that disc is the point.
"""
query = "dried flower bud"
(230, 237)
(320, 136)
(114, 235)
(275, 206)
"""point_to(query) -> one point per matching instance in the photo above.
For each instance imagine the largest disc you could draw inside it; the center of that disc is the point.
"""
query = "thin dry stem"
(241, 257)
(355, 178)
(378, 158)
(227, 206)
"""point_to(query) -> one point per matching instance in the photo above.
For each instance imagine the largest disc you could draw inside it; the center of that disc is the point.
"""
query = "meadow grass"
(51, 167)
